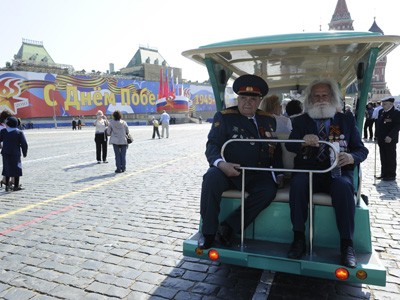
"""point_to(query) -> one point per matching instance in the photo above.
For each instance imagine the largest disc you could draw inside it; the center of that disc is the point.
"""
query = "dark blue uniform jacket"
(230, 124)
(388, 124)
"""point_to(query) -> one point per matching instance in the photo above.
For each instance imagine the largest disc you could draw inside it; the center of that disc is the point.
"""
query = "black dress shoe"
(297, 249)
(225, 235)
(205, 241)
(378, 177)
(17, 188)
(348, 257)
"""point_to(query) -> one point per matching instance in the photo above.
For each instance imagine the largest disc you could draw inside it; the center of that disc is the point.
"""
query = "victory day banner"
(36, 95)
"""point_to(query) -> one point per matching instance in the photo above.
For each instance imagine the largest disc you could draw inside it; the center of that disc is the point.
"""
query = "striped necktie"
(322, 155)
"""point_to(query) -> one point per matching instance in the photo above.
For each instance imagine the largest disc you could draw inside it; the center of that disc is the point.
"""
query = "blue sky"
(90, 34)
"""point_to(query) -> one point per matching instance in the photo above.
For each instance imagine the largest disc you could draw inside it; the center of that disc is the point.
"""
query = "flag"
(160, 87)
(166, 87)
(172, 87)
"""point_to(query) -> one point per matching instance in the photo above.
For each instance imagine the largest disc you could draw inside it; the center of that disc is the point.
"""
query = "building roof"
(147, 55)
(33, 57)
(33, 51)
(375, 28)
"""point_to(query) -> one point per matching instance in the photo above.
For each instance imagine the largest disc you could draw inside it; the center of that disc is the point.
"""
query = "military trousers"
(388, 156)
(260, 186)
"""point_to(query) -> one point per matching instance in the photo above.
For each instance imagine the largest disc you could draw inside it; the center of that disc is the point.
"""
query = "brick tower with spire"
(341, 20)
(379, 88)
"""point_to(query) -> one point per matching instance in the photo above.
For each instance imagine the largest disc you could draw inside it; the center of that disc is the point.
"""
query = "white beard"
(322, 111)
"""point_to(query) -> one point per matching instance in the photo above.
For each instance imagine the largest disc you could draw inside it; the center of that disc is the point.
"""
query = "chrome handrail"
(311, 227)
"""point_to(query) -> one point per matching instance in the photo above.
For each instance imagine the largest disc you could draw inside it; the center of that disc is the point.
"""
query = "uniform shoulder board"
(229, 111)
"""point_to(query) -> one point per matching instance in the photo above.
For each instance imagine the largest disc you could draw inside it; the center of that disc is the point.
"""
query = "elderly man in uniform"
(387, 134)
(322, 121)
(244, 121)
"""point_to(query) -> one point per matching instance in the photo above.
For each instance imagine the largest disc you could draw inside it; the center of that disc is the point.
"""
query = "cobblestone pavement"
(384, 204)
(80, 231)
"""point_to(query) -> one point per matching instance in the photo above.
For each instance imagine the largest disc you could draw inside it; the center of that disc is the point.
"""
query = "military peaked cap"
(389, 99)
(250, 85)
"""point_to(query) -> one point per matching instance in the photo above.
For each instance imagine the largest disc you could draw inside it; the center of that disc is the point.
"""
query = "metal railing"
(270, 169)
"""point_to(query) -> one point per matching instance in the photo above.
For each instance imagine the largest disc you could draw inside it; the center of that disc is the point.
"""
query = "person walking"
(117, 130)
(369, 122)
(387, 135)
(3, 117)
(14, 143)
(375, 114)
(73, 124)
(155, 128)
(100, 137)
(165, 118)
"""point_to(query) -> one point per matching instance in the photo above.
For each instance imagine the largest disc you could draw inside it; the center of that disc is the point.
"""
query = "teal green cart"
(290, 62)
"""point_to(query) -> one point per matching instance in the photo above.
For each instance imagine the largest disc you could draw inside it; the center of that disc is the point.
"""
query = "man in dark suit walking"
(321, 121)
(244, 121)
(387, 134)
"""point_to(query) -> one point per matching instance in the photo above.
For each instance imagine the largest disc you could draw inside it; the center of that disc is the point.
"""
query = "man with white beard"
(322, 121)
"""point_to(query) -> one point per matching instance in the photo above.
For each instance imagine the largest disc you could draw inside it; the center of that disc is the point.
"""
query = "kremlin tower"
(341, 20)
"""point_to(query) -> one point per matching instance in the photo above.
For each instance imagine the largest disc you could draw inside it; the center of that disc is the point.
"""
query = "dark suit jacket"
(230, 124)
(388, 124)
(13, 142)
(306, 157)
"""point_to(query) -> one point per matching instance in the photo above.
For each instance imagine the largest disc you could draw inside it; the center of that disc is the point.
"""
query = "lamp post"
(54, 111)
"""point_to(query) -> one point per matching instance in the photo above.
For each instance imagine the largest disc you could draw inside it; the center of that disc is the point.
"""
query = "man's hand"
(280, 181)
(229, 169)
(311, 140)
(345, 159)
(388, 139)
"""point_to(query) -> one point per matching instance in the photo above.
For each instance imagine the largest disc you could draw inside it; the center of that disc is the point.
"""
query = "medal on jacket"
(387, 119)
(236, 134)
(334, 131)
(271, 146)
(336, 136)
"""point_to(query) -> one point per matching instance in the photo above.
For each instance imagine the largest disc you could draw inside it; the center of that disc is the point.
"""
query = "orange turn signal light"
(361, 274)
(213, 254)
(342, 274)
